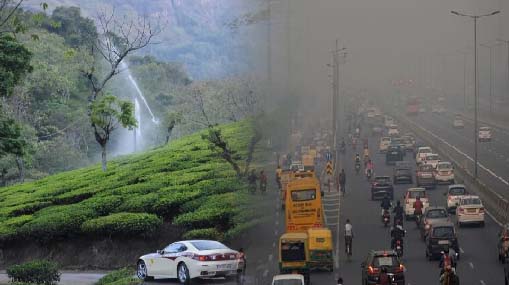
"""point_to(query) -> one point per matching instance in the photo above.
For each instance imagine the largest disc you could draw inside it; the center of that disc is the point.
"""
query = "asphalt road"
(478, 264)
(492, 156)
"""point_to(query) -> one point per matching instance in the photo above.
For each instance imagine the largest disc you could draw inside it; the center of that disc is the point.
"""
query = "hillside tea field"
(184, 183)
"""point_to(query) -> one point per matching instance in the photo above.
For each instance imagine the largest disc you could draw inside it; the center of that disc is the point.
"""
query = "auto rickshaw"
(320, 249)
(294, 255)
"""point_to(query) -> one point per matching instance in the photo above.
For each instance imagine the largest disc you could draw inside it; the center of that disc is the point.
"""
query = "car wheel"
(141, 271)
(183, 274)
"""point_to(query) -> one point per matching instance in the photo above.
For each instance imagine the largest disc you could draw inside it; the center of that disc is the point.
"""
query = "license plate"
(443, 242)
(472, 210)
(224, 266)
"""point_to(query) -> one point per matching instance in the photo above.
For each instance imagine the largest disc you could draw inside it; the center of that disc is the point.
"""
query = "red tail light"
(201, 257)
(481, 210)
(372, 270)
(461, 210)
(398, 242)
(400, 269)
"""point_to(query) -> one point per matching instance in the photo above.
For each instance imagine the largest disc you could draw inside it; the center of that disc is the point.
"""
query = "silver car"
(431, 216)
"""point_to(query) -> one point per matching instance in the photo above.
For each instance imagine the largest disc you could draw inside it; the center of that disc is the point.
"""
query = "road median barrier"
(496, 205)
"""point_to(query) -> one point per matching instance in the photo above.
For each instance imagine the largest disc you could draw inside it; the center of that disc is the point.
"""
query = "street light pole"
(491, 73)
(476, 95)
(507, 43)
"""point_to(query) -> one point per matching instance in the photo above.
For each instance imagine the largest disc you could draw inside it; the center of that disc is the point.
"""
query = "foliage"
(124, 276)
(208, 233)
(123, 224)
(77, 30)
(14, 63)
(11, 141)
(183, 181)
(35, 272)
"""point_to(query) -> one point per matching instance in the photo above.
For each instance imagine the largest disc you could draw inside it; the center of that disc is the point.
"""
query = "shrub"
(206, 217)
(139, 203)
(124, 276)
(209, 233)
(103, 205)
(29, 208)
(57, 221)
(123, 224)
(10, 227)
(35, 272)
(168, 205)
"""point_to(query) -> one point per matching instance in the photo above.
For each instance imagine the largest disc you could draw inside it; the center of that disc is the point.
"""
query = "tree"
(171, 120)
(107, 114)
(14, 63)
(11, 142)
(77, 30)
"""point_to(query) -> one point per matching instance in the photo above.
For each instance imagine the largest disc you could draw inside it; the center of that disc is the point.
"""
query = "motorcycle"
(342, 149)
(357, 168)
(386, 218)
(418, 218)
(369, 173)
(399, 247)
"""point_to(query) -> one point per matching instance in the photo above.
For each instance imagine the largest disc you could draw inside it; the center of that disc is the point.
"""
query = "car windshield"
(471, 201)
(386, 139)
(208, 245)
(293, 251)
(403, 171)
(443, 166)
(443, 232)
(432, 157)
(415, 194)
(303, 195)
(485, 129)
(288, 282)
(436, 214)
(385, 261)
(424, 150)
(457, 191)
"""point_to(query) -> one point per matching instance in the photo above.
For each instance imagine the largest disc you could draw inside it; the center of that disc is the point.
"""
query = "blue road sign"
(328, 156)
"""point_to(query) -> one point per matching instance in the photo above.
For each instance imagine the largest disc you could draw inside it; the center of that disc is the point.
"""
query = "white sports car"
(185, 260)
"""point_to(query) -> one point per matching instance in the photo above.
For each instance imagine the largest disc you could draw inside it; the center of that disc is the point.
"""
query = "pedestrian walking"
(342, 181)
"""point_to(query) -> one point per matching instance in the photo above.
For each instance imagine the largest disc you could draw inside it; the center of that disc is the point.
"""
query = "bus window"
(303, 195)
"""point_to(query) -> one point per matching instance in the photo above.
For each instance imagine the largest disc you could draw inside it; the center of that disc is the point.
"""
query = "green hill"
(184, 183)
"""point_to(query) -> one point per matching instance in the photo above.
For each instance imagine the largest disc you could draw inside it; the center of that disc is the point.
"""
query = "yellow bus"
(303, 204)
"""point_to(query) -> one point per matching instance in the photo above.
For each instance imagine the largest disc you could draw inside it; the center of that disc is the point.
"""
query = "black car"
(394, 153)
(440, 237)
(381, 186)
(402, 173)
(376, 260)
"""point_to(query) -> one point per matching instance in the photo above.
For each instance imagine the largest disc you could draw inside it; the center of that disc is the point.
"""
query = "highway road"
(493, 156)
(478, 264)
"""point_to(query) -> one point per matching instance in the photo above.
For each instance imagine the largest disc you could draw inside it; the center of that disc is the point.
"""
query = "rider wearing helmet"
(357, 159)
(397, 233)
(386, 204)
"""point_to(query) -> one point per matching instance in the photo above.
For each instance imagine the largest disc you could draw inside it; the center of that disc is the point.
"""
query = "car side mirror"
(160, 251)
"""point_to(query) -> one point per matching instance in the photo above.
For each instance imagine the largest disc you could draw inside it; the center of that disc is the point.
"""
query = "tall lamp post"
(507, 43)
(491, 72)
(476, 95)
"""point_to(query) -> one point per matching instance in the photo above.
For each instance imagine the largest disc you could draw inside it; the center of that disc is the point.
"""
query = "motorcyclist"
(448, 259)
(343, 145)
(370, 167)
(418, 206)
(340, 281)
(386, 204)
(342, 180)
(357, 159)
(449, 277)
(397, 233)
(398, 212)
(348, 234)
(263, 181)
(279, 172)
(384, 279)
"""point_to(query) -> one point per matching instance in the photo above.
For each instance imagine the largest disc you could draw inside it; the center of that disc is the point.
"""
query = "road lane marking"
(265, 273)
(331, 210)
(461, 250)
(274, 245)
(270, 257)
(275, 232)
(277, 222)
(482, 282)
(471, 265)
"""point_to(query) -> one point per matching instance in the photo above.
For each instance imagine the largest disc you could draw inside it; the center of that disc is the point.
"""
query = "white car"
(288, 279)
(384, 144)
(421, 153)
(185, 260)
(484, 134)
(393, 131)
(422, 110)
(410, 197)
(470, 210)
(454, 194)
(432, 159)
(444, 172)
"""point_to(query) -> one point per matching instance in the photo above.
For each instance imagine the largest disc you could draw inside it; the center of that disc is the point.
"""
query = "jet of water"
(125, 67)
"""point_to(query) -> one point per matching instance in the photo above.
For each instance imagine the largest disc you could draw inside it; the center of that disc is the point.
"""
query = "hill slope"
(185, 184)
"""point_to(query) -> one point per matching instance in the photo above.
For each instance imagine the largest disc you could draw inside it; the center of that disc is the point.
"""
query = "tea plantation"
(184, 183)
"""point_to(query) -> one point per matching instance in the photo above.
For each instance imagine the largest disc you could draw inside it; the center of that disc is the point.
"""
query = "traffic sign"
(329, 168)
(328, 156)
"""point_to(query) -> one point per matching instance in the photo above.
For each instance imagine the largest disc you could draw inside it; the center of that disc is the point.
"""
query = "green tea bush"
(123, 224)
(168, 205)
(28, 208)
(208, 233)
(139, 203)
(9, 229)
(206, 217)
(103, 205)
(35, 272)
(57, 221)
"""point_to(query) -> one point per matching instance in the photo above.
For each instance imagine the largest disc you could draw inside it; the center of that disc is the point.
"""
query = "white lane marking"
(461, 250)
(270, 257)
(277, 213)
(274, 245)
(482, 282)
(277, 222)
(471, 265)
(275, 232)
(331, 210)
(265, 273)
(467, 156)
